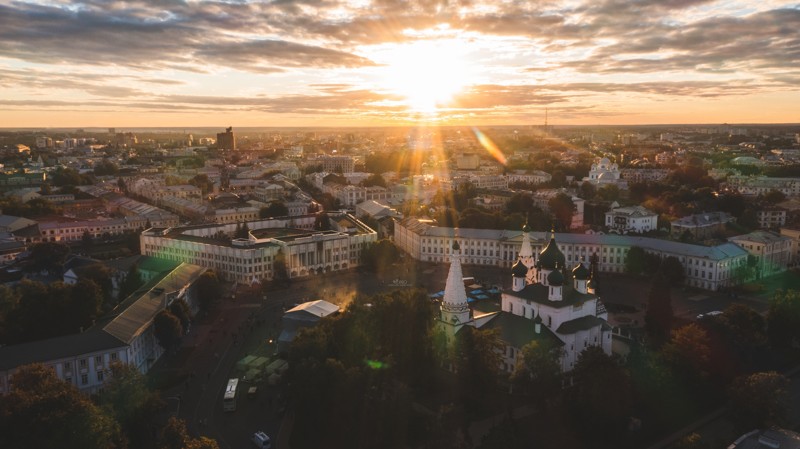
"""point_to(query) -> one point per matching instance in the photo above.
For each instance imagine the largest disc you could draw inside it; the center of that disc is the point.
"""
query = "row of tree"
(43, 411)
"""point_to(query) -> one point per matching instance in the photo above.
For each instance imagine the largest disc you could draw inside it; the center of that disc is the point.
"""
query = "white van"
(261, 440)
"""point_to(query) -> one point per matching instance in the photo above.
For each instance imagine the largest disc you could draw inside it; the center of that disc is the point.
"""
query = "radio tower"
(545, 122)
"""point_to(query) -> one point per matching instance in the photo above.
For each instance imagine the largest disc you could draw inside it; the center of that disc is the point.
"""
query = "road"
(243, 324)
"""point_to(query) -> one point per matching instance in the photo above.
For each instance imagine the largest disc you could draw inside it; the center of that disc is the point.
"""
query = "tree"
(127, 399)
(202, 181)
(42, 411)
(87, 239)
(106, 167)
(175, 436)
(374, 179)
(180, 309)
(659, 315)
(48, 256)
(478, 365)
(601, 400)
(783, 319)
(758, 401)
(635, 260)
(538, 374)
(133, 280)
(167, 329)
(688, 352)
(101, 275)
(379, 256)
(280, 271)
(609, 192)
(562, 208)
(673, 270)
(774, 196)
(587, 191)
(322, 222)
(208, 289)
(275, 209)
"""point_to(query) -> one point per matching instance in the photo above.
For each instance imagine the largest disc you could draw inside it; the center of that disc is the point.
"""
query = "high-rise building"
(226, 140)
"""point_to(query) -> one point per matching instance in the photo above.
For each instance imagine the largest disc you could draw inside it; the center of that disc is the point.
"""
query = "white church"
(605, 173)
(545, 303)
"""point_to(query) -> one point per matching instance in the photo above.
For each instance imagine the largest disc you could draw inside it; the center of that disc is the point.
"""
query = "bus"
(229, 400)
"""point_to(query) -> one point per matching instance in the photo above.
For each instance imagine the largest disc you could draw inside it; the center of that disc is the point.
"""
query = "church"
(545, 303)
(604, 173)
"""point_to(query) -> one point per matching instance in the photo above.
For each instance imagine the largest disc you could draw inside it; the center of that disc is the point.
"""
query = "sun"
(426, 73)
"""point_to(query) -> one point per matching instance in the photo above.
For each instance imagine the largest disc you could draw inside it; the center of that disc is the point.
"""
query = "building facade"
(706, 267)
(772, 251)
(292, 240)
(85, 359)
(631, 219)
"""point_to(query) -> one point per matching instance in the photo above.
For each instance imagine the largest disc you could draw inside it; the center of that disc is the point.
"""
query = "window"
(84, 379)
(99, 376)
(82, 363)
(98, 361)
(67, 366)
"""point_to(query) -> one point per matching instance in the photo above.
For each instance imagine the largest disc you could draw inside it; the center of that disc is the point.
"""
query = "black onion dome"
(519, 270)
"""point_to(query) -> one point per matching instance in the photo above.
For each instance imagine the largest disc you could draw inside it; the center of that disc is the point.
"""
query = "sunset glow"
(342, 63)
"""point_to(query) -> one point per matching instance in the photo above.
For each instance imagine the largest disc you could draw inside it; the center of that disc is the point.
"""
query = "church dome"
(519, 269)
(604, 175)
(590, 284)
(551, 255)
(580, 272)
(526, 228)
(604, 162)
(555, 278)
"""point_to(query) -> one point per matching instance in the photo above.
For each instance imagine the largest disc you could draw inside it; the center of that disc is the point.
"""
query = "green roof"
(538, 293)
(517, 331)
(580, 324)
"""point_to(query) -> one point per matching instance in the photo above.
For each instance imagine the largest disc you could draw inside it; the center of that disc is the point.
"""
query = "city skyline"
(387, 63)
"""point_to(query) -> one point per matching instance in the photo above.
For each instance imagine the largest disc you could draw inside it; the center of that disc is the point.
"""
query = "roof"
(580, 324)
(632, 211)
(318, 308)
(518, 331)
(551, 256)
(719, 252)
(13, 223)
(760, 439)
(705, 219)
(93, 340)
(538, 293)
(138, 315)
(759, 237)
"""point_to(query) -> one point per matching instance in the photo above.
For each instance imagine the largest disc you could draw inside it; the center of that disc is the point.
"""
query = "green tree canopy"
(759, 400)
(783, 319)
(538, 374)
(658, 317)
(131, 403)
(42, 411)
(175, 436)
(167, 329)
(275, 209)
(602, 398)
(562, 208)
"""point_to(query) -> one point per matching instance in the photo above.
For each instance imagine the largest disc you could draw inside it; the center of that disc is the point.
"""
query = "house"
(631, 219)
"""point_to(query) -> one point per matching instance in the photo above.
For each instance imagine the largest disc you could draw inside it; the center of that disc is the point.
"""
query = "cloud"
(139, 36)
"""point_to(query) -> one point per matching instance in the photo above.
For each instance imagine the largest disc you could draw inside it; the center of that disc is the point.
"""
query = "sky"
(391, 62)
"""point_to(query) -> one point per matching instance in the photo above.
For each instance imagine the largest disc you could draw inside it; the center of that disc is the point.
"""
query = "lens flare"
(490, 147)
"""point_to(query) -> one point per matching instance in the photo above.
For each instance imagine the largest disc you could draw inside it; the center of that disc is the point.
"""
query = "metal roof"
(136, 317)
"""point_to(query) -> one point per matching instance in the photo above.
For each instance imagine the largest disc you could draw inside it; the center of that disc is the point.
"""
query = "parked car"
(709, 314)
(261, 440)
